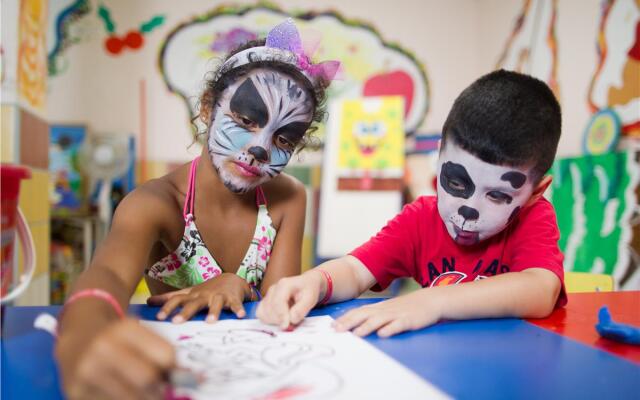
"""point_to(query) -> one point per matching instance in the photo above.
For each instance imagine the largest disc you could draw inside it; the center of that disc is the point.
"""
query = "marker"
(177, 378)
(184, 378)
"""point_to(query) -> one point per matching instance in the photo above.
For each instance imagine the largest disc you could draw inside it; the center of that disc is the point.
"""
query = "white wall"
(457, 41)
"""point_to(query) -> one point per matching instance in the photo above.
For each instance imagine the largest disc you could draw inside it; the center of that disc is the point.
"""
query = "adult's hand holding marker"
(125, 360)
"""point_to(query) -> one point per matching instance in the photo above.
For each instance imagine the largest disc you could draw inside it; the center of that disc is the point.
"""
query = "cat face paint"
(477, 200)
(257, 125)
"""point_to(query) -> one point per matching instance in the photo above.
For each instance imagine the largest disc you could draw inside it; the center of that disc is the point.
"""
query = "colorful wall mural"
(69, 192)
(64, 15)
(371, 66)
(132, 40)
(596, 201)
(532, 46)
(616, 83)
(32, 56)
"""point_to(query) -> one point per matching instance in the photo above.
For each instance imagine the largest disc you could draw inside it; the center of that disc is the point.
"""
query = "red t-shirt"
(416, 244)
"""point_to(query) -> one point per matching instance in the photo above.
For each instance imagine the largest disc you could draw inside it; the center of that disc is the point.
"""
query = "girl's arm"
(99, 355)
(286, 253)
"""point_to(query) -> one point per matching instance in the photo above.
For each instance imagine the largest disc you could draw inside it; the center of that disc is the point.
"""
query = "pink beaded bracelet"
(329, 292)
(100, 294)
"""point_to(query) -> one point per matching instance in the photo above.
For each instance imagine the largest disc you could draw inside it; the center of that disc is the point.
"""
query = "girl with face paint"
(212, 234)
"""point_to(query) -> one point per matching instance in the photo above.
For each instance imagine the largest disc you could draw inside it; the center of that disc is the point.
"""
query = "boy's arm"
(531, 293)
(289, 300)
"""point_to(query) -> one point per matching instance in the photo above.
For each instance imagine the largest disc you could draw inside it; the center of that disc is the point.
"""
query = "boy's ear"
(539, 190)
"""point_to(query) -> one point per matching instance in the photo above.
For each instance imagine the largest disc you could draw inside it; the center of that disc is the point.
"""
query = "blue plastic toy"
(610, 329)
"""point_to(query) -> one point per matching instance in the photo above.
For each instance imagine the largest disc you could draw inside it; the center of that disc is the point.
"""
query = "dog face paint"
(477, 200)
(257, 125)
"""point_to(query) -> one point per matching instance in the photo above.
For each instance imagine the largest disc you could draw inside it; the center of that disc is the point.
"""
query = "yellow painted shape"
(577, 282)
(9, 134)
(34, 196)
(34, 203)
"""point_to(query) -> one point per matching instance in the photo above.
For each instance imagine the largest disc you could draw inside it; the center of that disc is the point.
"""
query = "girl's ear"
(205, 115)
(539, 190)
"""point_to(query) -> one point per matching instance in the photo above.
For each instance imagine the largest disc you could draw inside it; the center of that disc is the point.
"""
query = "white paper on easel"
(245, 359)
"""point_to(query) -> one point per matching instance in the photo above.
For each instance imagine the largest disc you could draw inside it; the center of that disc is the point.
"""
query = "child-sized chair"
(577, 282)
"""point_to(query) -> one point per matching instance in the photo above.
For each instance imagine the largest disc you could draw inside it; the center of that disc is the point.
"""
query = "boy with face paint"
(204, 236)
(484, 247)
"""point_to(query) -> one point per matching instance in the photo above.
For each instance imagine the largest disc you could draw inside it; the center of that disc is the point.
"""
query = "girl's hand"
(226, 291)
(289, 300)
(124, 361)
(404, 313)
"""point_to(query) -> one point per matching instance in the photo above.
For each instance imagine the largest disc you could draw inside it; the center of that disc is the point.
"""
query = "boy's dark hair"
(507, 118)
(225, 75)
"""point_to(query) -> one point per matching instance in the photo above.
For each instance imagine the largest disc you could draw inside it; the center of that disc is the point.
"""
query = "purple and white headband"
(284, 44)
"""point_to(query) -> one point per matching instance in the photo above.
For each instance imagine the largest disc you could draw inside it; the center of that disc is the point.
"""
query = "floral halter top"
(192, 263)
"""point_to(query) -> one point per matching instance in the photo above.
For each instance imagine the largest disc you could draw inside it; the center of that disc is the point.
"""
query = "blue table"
(481, 359)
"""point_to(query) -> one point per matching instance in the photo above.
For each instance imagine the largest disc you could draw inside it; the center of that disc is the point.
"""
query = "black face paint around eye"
(468, 213)
(515, 178)
(501, 196)
(246, 101)
(452, 171)
(293, 131)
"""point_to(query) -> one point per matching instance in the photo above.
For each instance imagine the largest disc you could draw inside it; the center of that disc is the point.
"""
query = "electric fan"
(104, 158)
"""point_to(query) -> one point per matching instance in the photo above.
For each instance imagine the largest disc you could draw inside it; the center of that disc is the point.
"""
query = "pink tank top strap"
(260, 197)
(190, 197)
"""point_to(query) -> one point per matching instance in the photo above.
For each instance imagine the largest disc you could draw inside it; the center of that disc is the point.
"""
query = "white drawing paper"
(245, 359)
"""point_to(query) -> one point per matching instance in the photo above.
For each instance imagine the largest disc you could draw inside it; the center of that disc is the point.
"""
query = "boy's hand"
(409, 312)
(226, 291)
(124, 361)
(290, 300)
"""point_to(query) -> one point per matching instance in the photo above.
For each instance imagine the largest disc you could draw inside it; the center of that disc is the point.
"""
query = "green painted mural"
(596, 204)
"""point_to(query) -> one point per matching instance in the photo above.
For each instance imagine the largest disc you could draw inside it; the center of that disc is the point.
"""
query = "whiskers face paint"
(258, 123)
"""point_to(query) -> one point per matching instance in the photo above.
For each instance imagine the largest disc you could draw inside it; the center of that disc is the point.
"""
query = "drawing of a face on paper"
(254, 364)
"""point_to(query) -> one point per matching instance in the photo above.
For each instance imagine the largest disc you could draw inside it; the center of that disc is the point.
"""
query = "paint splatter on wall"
(63, 32)
(596, 203)
(532, 46)
(616, 83)
(132, 40)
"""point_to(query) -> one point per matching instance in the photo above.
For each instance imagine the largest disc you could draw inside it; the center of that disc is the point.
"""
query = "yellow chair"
(577, 282)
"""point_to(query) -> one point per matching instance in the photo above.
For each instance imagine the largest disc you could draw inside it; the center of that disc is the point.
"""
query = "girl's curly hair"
(225, 75)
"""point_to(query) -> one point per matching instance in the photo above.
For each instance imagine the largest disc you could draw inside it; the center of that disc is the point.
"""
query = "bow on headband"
(284, 44)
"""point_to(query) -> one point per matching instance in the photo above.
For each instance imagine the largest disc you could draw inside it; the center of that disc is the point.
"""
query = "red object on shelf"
(10, 177)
